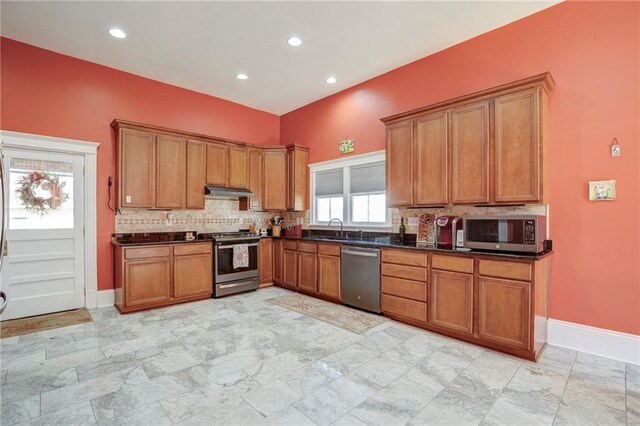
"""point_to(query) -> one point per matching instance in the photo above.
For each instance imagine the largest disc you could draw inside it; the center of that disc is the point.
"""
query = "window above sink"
(352, 190)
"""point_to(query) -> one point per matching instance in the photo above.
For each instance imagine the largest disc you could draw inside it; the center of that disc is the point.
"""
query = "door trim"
(89, 150)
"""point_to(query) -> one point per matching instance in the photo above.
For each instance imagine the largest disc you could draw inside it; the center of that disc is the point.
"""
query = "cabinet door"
(277, 261)
(136, 159)
(399, 163)
(504, 311)
(470, 154)
(451, 301)
(289, 268)
(307, 271)
(217, 164)
(196, 174)
(275, 181)
(329, 276)
(170, 172)
(297, 179)
(265, 265)
(238, 167)
(147, 281)
(255, 182)
(517, 147)
(192, 275)
(430, 163)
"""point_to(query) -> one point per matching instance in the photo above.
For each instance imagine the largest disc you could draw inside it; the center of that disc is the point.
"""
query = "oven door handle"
(231, 246)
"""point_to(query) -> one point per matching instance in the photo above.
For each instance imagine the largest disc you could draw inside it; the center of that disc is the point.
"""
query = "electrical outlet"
(413, 221)
(128, 198)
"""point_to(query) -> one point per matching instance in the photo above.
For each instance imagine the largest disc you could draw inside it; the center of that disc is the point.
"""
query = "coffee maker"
(447, 228)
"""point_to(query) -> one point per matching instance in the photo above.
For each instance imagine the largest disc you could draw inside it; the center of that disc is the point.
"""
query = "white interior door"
(43, 268)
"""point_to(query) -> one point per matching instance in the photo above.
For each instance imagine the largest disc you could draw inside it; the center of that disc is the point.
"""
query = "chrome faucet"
(341, 227)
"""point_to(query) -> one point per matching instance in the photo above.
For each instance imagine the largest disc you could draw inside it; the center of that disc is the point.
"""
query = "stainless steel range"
(227, 279)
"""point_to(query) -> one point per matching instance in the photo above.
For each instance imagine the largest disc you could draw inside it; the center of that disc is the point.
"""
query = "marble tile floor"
(243, 361)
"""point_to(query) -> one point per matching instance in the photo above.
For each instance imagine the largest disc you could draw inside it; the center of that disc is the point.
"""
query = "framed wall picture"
(602, 190)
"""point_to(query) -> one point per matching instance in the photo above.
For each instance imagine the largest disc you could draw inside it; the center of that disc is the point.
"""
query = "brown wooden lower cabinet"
(277, 260)
(398, 306)
(451, 301)
(192, 275)
(265, 262)
(152, 276)
(290, 268)
(504, 312)
(148, 282)
(307, 271)
(329, 276)
(493, 302)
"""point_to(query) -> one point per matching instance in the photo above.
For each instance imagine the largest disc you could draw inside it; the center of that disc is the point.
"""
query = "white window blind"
(352, 190)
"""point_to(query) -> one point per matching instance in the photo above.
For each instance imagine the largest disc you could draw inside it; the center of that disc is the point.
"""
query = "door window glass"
(40, 194)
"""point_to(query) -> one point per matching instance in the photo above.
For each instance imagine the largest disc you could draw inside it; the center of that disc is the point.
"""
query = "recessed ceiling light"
(294, 41)
(117, 33)
(241, 76)
(330, 80)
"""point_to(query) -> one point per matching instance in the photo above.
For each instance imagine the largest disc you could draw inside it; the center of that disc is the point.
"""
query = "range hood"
(222, 192)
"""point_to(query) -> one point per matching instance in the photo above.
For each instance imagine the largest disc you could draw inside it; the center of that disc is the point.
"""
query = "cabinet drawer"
(307, 247)
(329, 249)
(144, 252)
(404, 307)
(452, 263)
(185, 249)
(404, 288)
(407, 272)
(289, 245)
(496, 268)
(404, 257)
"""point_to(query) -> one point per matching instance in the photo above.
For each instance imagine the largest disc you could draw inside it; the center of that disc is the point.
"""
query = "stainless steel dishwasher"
(361, 277)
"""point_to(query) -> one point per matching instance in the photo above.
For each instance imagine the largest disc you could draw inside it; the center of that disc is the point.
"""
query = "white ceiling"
(203, 45)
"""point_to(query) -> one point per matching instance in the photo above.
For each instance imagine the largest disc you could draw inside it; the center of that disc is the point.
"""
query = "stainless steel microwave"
(517, 233)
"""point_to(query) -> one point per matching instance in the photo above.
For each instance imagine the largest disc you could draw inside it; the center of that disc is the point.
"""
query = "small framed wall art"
(602, 190)
(347, 146)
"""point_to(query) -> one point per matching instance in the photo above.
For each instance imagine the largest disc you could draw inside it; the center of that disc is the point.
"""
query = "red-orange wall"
(592, 50)
(51, 94)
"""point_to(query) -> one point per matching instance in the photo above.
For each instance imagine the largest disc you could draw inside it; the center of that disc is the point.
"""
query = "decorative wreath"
(41, 192)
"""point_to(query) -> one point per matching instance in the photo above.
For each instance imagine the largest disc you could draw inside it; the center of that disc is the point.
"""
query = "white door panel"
(43, 269)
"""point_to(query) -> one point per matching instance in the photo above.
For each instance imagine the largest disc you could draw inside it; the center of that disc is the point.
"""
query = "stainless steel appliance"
(227, 279)
(516, 233)
(361, 277)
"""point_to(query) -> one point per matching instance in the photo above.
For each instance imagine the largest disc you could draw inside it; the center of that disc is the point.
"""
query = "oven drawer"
(236, 287)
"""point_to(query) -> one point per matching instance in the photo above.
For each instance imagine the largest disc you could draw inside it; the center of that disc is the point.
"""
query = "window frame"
(346, 164)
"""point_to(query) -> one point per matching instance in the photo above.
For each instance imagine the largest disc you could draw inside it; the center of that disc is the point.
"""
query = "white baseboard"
(596, 341)
(106, 298)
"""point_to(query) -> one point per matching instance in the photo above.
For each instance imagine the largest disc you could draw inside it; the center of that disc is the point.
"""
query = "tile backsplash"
(220, 214)
(534, 209)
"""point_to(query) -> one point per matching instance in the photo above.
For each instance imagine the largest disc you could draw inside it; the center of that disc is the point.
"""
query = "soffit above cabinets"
(203, 45)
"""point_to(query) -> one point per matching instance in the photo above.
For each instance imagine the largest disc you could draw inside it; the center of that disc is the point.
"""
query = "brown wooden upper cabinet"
(170, 172)
(399, 164)
(227, 166)
(517, 146)
(196, 174)
(470, 154)
(274, 183)
(484, 148)
(151, 170)
(431, 160)
(255, 182)
(136, 169)
(297, 177)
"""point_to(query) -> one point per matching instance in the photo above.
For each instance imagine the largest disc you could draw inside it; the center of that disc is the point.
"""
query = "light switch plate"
(615, 150)
(128, 199)
(413, 221)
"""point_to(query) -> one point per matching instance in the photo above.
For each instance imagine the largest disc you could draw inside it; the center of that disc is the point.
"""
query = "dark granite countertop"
(152, 238)
(388, 242)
